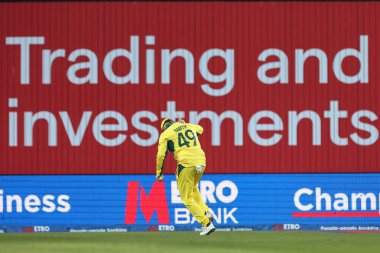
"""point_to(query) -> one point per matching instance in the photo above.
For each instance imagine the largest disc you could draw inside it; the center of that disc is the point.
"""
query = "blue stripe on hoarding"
(172, 228)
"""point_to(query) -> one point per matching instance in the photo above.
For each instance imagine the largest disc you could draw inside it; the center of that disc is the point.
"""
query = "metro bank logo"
(317, 203)
(144, 199)
(148, 203)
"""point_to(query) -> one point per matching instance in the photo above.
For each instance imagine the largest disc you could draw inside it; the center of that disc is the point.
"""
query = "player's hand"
(160, 178)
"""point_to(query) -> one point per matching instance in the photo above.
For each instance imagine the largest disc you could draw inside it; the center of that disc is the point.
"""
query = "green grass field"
(181, 242)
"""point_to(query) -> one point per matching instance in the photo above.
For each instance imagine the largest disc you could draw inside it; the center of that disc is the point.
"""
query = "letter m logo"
(155, 200)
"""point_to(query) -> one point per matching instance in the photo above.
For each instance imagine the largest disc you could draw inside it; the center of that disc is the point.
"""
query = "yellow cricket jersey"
(182, 140)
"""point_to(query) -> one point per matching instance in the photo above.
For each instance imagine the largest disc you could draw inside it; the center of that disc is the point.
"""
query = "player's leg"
(196, 194)
(209, 228)
(199, 200)
(185, 184)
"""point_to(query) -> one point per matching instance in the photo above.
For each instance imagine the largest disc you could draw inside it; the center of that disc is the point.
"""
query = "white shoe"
(208, 229)
(209, 216)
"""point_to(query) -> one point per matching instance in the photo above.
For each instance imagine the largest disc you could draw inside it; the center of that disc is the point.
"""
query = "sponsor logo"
(97, 229)
(153, 228)
(291, 227)
(350, 228)
(28, 230)
(148, 203)
(166, 228)
(89, 230)
(279, 227)
(155, 201)
(316, 203)
(41, 229)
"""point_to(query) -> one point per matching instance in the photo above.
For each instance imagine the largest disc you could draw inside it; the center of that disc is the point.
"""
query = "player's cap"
(165, 123)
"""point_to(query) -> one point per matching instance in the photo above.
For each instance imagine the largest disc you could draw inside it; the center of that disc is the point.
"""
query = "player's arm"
(198, 129)
(161, 155)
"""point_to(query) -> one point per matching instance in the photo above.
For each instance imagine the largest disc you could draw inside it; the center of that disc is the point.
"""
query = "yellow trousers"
(187, 180)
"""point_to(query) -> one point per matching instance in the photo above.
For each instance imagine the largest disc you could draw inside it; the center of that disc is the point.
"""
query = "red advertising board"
(280, 87)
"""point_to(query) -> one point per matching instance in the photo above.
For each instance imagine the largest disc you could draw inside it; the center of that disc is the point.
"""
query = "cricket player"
(181, 139)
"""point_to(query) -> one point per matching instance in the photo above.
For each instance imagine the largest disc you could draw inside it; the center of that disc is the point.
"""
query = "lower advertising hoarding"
(121, 203)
